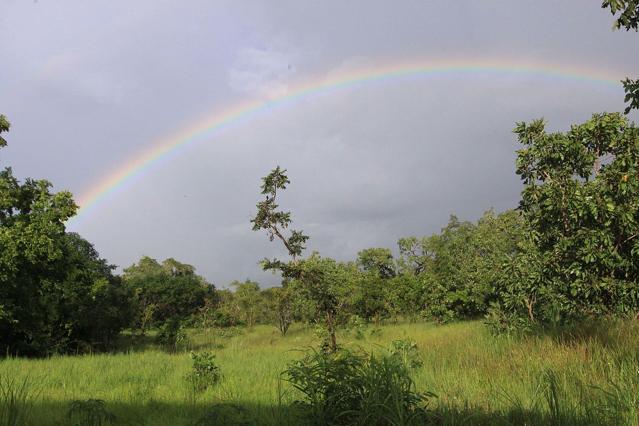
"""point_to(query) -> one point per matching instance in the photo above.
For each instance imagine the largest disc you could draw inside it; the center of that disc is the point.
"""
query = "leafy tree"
(414, 255)
(31, 246)
(316, 276)
(86, 304)
(377, 260)
(453, 274)
(276, 222)
(580, 200)
(404, 295)
(165, 290)
(325, 283)
(248, 301)
(280, 304)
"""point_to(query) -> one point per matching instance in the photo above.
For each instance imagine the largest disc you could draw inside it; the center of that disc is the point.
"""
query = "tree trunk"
(332, 341)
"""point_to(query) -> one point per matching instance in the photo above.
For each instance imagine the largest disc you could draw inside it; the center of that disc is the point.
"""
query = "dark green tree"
(580, 200)
(248, 300)
(377, 260)
(31, 246)
(163, 291)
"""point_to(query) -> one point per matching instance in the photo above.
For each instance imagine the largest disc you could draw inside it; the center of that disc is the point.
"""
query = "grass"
(590, 377)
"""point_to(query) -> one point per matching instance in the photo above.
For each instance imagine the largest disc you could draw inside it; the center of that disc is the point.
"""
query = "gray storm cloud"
(87, 87)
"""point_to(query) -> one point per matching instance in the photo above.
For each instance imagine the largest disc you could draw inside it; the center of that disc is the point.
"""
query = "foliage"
(407, 352)
(453, 275)
(326, 284)
(280, 304)
(205, 372)
(314, 277)
(627, 11)
(631, 87)
(163, 291)
(172, 335)
(345, 387)
(580, 201)
(275, 222)
(4, 127)
(91, 412)
(378, 261)
(627, 16)
(56, 293)
(248, 301)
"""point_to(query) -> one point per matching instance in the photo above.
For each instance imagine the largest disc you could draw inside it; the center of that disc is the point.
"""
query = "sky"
(89, 86)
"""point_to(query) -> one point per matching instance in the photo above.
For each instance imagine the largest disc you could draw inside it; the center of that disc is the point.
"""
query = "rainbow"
(207, 127)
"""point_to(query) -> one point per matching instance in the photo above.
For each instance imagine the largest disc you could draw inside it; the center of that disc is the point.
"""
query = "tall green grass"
(585, 376)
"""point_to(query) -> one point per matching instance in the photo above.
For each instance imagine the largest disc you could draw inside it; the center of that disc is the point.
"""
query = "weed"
(16, 401)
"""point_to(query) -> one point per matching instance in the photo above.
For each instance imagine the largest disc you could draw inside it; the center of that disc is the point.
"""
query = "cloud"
(262, 72)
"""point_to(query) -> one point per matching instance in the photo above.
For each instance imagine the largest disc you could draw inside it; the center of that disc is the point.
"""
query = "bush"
(356, 388)
(91, 412)
(205, 371)
(172, 335)
(407, 353)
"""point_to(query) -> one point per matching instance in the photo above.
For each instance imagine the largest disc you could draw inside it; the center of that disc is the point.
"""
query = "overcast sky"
(88, 85)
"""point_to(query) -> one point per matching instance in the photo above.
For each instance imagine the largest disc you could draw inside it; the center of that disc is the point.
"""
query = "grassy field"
(590, 377)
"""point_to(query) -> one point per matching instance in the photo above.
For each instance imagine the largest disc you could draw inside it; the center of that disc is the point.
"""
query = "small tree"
(248, 300)
(279, 301)
(309, 274)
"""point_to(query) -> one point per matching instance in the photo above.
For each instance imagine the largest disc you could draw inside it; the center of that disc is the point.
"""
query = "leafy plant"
(205, 372)
(91, 412)
(407, 352)
(344, 387)
(172, 335)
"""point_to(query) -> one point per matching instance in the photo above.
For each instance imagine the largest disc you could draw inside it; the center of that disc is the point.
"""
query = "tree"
(313, 276)
(326, 283)
(453, 274)
(276, 222)
(627, 16)
(248, 301)
(377, 260)
(280, 304)
(580, 201)
(31, 247)
(86, 305)
(166, 290)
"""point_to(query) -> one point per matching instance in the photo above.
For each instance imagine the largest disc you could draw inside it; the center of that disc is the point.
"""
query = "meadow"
(590, 376)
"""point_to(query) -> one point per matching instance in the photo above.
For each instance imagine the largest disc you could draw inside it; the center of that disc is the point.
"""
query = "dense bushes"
(580, 257)
(349, 388)
(164, 291)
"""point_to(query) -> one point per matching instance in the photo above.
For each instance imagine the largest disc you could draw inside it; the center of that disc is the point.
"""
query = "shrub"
(205, 371)
(357, 326)
(407, 353)
(344, 387)
(172, 335)
(91, 412)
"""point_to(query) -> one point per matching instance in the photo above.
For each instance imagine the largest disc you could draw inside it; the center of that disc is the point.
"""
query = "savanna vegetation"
(527, 316)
